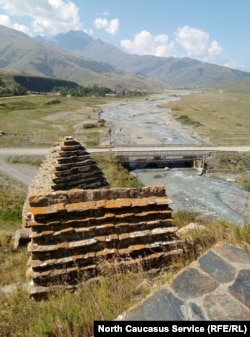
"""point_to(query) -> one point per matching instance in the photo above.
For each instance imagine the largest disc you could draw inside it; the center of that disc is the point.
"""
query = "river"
(144, 122)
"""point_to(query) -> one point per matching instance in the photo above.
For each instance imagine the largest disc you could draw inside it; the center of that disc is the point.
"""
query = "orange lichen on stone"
(77, 257)
(46, 210)
(112, 204)
(150, 201)
(101, 203)
(112, 237)
(122, 224)
(106, 252)
(62, 245)
(162, 201)
(134, 248)
(80, 206)
(106, 216)
(90, 255)
(124, 236)
(140, 202)
(43, 233)
(124, 202)
(123, 251)
(166, 212)
(101, 238)
(146, 213)
(105, 226)
(124, 215)
(64, 230)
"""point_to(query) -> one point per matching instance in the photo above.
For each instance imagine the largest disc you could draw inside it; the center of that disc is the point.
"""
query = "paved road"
(44, 151)
(25, 173)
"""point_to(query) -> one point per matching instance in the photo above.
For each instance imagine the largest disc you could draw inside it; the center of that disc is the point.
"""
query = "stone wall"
(74, 232)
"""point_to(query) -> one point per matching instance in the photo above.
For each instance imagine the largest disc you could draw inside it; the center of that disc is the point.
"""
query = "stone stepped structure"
(77, 223)
(68, 166)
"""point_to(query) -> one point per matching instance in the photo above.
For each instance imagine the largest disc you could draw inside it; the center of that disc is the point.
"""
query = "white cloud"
(48, 16)
(144, 43)
(214, 49)
(189, 41)
(5, 20)
(110, 27)
(196, 44)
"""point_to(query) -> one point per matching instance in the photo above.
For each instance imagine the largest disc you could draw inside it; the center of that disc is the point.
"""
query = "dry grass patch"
(71, 314)
(221, 117)
(42, 120)
(105, 297)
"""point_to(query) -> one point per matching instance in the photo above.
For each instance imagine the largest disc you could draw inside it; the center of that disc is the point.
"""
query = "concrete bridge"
(134, 150)
(167, 153)
(146, 152)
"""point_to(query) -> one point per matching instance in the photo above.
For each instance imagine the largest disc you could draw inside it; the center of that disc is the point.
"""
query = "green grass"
(184, 119)
(115, 173)
(12, 197)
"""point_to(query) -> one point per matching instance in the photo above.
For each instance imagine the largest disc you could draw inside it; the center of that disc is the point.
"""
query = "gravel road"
(20, 172)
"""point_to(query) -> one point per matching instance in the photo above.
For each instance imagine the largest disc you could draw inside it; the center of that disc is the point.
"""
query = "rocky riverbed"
(213, 198)
(144, 122)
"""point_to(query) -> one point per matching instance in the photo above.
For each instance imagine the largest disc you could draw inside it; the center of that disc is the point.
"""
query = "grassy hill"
(178, 72)
(77, 57)
(23, 54)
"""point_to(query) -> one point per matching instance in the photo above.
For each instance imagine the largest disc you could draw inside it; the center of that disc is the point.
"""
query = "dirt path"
(23, 173)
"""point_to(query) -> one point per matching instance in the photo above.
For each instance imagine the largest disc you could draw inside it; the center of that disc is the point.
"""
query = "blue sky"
(214, 31)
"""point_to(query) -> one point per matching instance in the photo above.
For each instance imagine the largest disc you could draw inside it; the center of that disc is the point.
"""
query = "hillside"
(240, 86)
(77, 57)
(21, 53)
(179, 72)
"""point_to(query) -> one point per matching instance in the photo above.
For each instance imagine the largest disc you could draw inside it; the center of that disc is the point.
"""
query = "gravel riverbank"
(213, 198)
(144, 122)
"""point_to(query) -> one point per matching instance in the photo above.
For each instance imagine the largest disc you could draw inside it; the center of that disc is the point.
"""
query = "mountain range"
(77, 57)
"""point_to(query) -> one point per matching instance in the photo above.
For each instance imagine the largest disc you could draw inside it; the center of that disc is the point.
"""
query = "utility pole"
(109, 133)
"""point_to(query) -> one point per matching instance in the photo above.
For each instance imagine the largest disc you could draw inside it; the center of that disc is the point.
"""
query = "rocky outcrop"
(75, 231)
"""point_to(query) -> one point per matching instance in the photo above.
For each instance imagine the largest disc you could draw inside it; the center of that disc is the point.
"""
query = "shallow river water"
(145, 123)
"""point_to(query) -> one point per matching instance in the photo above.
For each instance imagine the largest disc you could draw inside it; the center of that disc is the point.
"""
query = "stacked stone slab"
(68, 166)
(75, 232)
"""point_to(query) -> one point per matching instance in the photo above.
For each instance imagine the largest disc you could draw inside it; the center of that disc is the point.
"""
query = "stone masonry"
(79, 227)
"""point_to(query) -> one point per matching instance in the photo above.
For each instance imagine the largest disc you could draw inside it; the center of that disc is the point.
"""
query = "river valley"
(144, 123)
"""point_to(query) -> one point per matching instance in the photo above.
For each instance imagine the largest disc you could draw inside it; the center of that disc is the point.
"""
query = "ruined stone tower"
(77, 221)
